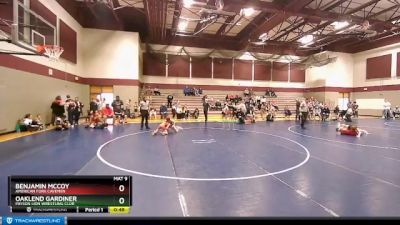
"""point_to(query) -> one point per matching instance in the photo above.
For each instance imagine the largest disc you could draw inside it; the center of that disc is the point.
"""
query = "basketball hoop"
(52, 51)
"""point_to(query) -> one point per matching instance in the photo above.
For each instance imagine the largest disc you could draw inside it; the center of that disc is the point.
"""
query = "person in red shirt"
(107, 111)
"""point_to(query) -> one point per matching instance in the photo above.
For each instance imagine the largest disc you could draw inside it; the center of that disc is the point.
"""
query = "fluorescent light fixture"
(188, 3)
(306, 39)
(263, 37)
(340, 24)
(182, 25)
(247, 12)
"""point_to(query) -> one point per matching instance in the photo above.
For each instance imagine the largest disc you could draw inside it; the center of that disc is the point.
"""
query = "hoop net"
(52, 51)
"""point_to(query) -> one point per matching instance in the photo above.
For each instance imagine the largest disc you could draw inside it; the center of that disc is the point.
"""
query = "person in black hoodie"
(57, 108)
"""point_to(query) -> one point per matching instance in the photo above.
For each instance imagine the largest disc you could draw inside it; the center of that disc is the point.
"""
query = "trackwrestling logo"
(33, 220)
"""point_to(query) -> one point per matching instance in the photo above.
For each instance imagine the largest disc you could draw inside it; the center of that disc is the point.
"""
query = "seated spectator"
(287, 112)
(186, 91)
(196, 113)
(250, 118)
(185, 111)
(107, 111)
(218, 105)
(336, 112)
(348, 115)
(325, 112)
(153, 113)
(200, 91)
(163, 111)
(61, 123)
(156, 91)
(396, 112)
(27, 123)
(196, 91)
(246, 92)
(241, 116)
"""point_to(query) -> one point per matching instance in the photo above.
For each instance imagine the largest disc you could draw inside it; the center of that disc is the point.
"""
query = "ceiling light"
(306, 39)
(340, 24)
(247, 12)
(182, 25)
(263, 37)
(188, 3)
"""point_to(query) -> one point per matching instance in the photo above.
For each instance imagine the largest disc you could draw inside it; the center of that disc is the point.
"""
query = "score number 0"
(121, 188)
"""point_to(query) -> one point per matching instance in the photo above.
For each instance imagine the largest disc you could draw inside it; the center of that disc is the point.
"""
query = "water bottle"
(18, 128)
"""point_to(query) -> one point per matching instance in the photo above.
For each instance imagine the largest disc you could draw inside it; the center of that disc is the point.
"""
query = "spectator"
(117, 106)
(218, 105)
(156, 91)
(348, 115)
(186, 91)
(386, 110)
(163, 111)
(57, 108)
(153, 113)
(355, 109)
(200, 91)
(396, 112)
(246, 92)
(93, 106)
(325, 112)
(107, 111)
(78, 110)
(71, 107)
(169, 99)
(196, 113)
(287, 112)
(61, 123)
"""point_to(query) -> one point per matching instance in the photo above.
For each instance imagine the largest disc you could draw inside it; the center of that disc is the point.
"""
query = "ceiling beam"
(222, 28)
(274, 20)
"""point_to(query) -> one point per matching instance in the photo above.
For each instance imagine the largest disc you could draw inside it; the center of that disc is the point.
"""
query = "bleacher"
(192, 102)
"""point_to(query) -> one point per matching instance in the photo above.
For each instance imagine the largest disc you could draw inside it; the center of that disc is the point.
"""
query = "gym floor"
(225, 169)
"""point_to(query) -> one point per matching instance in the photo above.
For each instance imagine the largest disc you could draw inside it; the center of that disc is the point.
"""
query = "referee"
(206, 107)
(144, 112)
(303, 112)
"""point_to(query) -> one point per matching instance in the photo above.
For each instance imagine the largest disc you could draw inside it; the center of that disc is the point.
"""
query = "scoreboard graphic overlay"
(70, 194)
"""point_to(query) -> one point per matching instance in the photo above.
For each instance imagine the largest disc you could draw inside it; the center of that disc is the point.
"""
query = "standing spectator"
(93, 106)
(57, 108)
(206, 107)
(169, 99)
(304, 112)
(71, 110)
(386, 110)
(355, 109)
(78, 110)
(325, 113)
(144, 112)
(117, 105)
(103, 103)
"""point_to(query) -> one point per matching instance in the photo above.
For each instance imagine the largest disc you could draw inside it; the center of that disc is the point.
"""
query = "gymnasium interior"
(279, 108)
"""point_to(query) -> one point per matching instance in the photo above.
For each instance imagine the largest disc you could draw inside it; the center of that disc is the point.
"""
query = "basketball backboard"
(27, 28)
